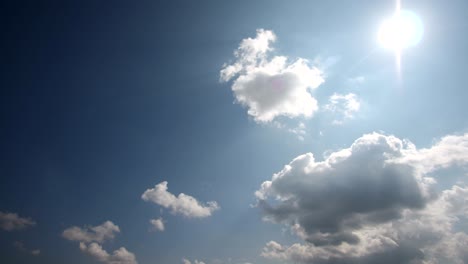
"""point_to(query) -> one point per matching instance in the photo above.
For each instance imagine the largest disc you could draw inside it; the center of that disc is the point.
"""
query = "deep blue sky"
(100, 101)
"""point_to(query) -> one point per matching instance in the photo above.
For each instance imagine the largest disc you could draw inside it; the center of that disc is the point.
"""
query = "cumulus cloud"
(344, 106)
(91, 238)
(119, 256)
(12, 221)
(369, 203)
(271, 86)
(183, 204)
(99, 233)
(157, 224)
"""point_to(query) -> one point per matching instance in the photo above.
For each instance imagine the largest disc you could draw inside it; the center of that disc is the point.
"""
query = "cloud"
(369, 203)
(183, 204)
(90, 239)
(11, 222)
(186, 261)
(20, 246)
(99, 233)
(157, 224)
(271, 86)
(119, 256)
(344, 106)
(299, 131)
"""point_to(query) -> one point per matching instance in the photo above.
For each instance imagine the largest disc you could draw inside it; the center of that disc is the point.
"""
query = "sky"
(233, 132)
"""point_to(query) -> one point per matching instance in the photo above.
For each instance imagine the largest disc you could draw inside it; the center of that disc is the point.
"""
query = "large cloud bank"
(370, 203)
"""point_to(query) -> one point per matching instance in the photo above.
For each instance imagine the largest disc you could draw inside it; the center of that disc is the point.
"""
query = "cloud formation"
(370, 203)
(20, 246)
(12, 221)
(186, 261)
(119, 256)
(100, 233)
(92, 237)
(182, 204)
(344, 106)
(157, 224)
(271, 86)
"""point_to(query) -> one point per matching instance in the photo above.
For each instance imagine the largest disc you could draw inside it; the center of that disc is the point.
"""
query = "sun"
(403, 30)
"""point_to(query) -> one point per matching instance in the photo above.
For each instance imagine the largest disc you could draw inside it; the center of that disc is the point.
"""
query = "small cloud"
(20, 246)
(183, 204)
(299, 131)
(357, 80)
(271, 87)
(186, 261)
(99, 233)
(157, 224)
(119, 256)
(344, 106)
(11, 222)
(91, 237)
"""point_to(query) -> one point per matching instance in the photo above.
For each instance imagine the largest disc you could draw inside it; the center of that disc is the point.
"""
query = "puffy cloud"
(90, 239)
(119, 256)
(449, 151)
(344, 106)
(11, 222)
(271, 86)
(183, 204)
(369, 203)
(157, 224)
(99, 233)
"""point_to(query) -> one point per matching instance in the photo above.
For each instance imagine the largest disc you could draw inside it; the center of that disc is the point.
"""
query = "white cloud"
(271, 86)
(99, 233)
(11, 222)
(36, 252)
(91, 238)
(370, 203)
(299, 131)
(119, 256)
(357, 80)
(344, 106)
(183, 204)
(157, 224)
(186, 261)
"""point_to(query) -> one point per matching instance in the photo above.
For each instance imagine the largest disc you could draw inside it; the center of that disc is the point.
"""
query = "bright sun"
(403, 30)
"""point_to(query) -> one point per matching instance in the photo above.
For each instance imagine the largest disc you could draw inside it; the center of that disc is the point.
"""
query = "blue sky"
(101, 103)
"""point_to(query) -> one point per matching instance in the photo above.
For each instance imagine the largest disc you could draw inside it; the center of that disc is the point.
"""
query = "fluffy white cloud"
(99, 233)
(271, 86)
(157, 224)
(183, 204)
(119, 256)
(11, 222)
(370, 203)
(91, 237)
(344, 106)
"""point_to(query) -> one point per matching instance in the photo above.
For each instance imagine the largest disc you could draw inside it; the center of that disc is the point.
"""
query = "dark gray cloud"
(372, 201)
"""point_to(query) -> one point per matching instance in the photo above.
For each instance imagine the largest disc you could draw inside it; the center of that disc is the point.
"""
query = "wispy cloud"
(343, 106)
(12, 221)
